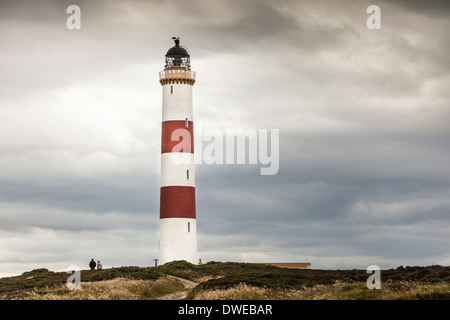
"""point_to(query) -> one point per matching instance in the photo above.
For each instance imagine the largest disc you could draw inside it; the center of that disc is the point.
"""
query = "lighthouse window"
(186, 123)
(171, 89)
(189, 227)
(187, 174)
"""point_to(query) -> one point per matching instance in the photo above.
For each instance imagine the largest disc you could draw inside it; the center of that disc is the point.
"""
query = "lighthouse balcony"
(170, 76)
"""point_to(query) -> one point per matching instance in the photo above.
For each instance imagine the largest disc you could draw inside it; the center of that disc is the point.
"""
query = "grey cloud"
(362, 118)
(433, 7)
(97, 194)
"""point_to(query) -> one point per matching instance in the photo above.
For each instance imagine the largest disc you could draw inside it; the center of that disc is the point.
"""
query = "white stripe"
(177, 105)
(177, 240)
(177, 169)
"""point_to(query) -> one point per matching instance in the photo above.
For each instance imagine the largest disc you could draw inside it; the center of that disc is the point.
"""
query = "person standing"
(99, 265)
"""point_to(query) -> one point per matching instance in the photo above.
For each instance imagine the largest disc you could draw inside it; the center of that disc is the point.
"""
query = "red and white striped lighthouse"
(177, 224)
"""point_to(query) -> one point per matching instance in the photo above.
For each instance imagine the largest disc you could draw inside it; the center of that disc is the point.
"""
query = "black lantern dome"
(178, 56)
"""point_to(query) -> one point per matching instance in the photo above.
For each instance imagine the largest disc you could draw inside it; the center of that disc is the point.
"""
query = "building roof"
(177, 50)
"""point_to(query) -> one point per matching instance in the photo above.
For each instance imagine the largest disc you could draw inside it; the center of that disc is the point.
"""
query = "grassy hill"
(229, 280)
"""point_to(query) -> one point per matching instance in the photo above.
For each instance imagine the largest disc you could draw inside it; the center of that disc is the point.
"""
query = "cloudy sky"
(363, 117)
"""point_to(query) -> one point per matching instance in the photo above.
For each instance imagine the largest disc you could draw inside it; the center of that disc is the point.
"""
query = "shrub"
(36, 271)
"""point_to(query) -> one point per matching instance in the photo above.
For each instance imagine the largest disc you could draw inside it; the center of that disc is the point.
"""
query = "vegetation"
(114, 289)
(36, 272)
(228, 280)
(337, 291)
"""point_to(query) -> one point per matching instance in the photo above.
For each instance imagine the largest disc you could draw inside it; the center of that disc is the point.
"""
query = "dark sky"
(363, 118)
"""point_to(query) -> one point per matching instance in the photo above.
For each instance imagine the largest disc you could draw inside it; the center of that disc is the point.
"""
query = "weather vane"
(177, 40)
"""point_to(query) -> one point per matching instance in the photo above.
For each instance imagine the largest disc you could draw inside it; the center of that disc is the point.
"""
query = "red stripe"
(184, 137)
(177, 202)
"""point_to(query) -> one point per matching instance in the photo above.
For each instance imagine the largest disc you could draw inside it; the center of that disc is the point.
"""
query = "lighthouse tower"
(177, 224)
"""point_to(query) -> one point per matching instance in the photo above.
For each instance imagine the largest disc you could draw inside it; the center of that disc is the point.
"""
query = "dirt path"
(188, 285)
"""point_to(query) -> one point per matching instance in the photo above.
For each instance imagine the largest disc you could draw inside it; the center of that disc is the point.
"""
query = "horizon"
(112, 267)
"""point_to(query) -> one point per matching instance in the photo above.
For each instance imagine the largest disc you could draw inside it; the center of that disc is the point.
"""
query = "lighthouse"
(177, 216)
